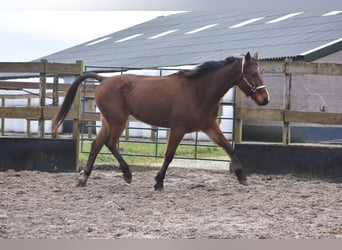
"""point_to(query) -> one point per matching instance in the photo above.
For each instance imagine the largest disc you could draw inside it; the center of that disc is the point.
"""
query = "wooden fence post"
(55, 94)
(76, 130)
(287, 103)
(238, 120)
(3, 116)
(42, 95)
(28, 121)
(55, 98)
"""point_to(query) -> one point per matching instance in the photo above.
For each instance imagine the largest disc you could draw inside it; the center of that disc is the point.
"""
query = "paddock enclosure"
(195, 204)
(291, 193)
(283, 115)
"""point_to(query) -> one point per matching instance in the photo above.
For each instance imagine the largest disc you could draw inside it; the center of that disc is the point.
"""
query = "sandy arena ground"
(195, 203)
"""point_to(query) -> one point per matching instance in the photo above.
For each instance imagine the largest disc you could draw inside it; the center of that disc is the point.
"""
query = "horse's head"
(251, 82)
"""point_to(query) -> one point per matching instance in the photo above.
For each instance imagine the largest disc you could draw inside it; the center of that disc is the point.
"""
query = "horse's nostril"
(263, 101)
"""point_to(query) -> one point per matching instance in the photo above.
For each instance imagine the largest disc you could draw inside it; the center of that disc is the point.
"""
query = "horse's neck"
(215, 86)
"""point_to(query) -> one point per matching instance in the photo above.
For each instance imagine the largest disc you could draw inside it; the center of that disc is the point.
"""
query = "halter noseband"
(252, 87)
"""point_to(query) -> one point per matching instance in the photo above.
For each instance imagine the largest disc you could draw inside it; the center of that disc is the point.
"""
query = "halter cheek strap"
(252, 87)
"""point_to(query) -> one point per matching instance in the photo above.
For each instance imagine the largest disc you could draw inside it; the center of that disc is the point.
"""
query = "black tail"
(69, 98)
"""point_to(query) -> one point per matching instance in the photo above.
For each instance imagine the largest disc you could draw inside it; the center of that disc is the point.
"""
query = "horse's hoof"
(158, 187)
(80, 183)
(128, 177)
(241, 177)
(243, 182)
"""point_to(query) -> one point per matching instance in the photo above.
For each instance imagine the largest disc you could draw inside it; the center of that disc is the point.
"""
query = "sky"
(28, 35)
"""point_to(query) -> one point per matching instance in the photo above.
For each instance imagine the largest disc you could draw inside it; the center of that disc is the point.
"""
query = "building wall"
(314, 93)
(309, 92)
(318, 93)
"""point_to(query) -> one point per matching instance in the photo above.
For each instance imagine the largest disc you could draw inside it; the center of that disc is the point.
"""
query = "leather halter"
(252, 87)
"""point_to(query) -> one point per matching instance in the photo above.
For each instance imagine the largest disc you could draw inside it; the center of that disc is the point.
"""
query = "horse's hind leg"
(115, 132)
(95, 149)
(217, 136)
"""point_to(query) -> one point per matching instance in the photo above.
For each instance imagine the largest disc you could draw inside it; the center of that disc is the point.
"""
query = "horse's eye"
(255, 74)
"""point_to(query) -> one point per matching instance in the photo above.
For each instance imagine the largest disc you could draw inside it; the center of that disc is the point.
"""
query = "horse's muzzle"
(265, 102)
(263, 98)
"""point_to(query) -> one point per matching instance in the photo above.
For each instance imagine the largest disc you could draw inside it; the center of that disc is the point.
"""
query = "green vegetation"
(142, 153)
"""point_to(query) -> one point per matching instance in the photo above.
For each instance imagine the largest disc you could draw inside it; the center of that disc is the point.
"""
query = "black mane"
(208, 67)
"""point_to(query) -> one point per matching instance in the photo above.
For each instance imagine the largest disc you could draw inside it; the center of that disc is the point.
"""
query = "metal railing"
(153, 138)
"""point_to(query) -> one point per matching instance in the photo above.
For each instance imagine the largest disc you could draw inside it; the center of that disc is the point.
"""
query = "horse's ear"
(247, 57)
(256, 56)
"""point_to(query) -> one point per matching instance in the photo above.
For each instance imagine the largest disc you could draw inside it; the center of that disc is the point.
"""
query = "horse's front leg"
(174, 139)
(217, 136)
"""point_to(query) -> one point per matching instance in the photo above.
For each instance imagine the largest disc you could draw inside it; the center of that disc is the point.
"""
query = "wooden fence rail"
(43, 69)
(253, 114)
(289, 67)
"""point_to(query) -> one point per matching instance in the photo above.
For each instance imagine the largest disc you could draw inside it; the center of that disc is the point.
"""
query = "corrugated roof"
(195, 37)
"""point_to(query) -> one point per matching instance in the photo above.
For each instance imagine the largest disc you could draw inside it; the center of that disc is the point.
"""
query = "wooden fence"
(43, 112)
(285, 115)
(40, 113)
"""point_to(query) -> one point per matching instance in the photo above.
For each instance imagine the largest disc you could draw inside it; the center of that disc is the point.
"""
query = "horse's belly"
(153, 118)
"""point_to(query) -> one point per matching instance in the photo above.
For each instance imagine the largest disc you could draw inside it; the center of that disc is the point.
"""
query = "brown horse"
(185, 102)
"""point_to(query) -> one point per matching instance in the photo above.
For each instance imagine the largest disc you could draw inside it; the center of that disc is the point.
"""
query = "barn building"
(191, 38)
(196, 37)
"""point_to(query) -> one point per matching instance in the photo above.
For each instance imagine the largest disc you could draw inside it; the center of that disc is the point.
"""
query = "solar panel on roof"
(128, 38)
(246, 22)
(282, 18)
(201, 29)
(332, 13)
(163, 34)
(98, 41)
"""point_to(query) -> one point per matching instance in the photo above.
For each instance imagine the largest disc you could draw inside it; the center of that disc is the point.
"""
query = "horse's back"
(150, 99)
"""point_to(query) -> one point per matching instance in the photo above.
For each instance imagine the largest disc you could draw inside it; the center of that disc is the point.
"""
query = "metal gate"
(140, 139)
